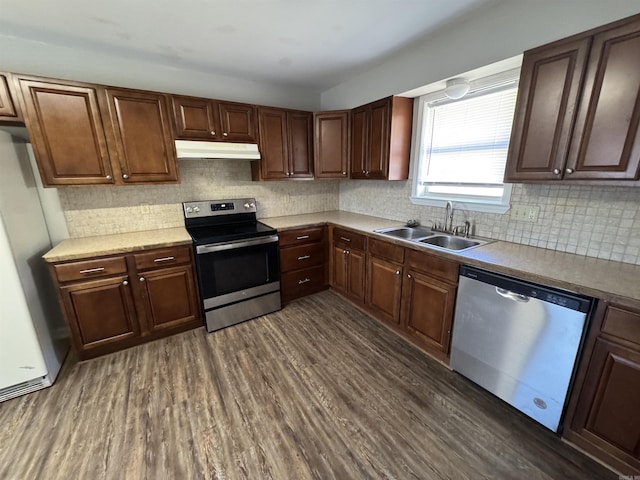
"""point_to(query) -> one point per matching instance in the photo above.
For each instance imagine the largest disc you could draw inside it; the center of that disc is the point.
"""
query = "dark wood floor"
(318, 390)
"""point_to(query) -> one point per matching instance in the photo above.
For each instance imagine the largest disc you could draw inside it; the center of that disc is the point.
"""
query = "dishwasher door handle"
(516, 297)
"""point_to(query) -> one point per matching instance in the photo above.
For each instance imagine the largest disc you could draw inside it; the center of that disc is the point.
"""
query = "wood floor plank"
(318, 390)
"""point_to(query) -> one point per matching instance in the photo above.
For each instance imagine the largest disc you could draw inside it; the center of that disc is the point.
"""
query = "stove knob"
(196, 209)
(249, 205)
(189, 210)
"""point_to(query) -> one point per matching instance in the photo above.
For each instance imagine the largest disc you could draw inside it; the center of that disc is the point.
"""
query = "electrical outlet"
(525, 213)
(144, 208)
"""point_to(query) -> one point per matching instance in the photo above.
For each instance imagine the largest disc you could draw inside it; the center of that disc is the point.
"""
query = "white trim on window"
(479, 87)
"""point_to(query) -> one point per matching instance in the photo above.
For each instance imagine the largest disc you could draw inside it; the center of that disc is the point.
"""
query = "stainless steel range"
(236, 258)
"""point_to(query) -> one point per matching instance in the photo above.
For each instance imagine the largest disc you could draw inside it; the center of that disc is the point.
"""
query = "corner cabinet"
(115, 302)
(285, 143)
(9, 109)
(214, 120)
(331, 144)
(572, 123)
(86, 134)
(381, 139)
(604, 411)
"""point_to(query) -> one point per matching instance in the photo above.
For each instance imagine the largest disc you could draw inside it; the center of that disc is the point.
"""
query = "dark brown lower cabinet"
(349, 264)
(384, 280)
(428, 310)
(603, 417)
(115, 302)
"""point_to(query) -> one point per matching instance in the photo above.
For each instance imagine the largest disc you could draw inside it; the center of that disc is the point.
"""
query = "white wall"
(78, 63)
(500, 31)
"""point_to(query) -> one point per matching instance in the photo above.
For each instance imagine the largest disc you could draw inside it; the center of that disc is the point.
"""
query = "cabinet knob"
(409, 275)
(344, 173)
(397, 272)
(225, 134)
(142, 279)
(125, 283)
(213, 133)
(367, 172)
(556, 171)
(108, 177)
(125, 176)
(569, 170)
(345, 252)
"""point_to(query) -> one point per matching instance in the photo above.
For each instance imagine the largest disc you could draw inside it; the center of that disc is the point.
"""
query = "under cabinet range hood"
(194, 149)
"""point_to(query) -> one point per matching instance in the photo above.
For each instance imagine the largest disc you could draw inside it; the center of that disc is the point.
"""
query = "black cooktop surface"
(208, 234)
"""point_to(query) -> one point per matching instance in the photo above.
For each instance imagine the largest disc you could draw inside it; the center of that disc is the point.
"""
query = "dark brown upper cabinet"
(331, 144)
(9, 110)
(66, 130)
(203, 119)
(578, 109)
(286, 145)
(85, 134)
(142, 140)
(381, 139)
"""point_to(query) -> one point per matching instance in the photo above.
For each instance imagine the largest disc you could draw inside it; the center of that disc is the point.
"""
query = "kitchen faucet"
(448, 217)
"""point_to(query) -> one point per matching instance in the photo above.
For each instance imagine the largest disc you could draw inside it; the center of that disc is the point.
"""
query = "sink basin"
(432, 239)
(450, 243)
(406, 233)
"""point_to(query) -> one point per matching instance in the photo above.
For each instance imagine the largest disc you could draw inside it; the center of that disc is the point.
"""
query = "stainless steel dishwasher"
(518, 340)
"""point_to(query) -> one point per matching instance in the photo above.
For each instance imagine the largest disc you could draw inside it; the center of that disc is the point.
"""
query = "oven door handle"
(217, 247)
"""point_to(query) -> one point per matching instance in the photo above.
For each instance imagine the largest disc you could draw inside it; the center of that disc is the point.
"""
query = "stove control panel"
(212, 208)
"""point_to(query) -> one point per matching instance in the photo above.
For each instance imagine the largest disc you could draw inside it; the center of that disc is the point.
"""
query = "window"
(462, 150)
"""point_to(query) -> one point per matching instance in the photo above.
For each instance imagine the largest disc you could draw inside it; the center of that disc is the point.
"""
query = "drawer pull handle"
(304, 257)
(92, 270)
(163, 259)
(300, 282)
(302, 237)
(345, 239)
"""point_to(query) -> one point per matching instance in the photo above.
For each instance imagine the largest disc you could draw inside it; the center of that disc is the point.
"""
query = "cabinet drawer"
(301, 235)
(432, 265)
(622, 323)
(301, 256)
(387, 250)
(302, 282)
(86, 269)
(162, 257)
(349, 239)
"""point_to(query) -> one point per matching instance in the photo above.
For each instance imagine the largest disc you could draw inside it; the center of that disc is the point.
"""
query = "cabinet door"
(379, 131)
(143, 142)
(100, 313)
(8, 107)
(607, 413)
(274, 150)
(356, 274)
(359, 141)
(339, 278)
(194, 118)
(428, 310)
(606, 142)
(300, 133)
(384, 288)
(66, 130)
(237, 121)
(170, 298)
(551, 79)
(331, 144)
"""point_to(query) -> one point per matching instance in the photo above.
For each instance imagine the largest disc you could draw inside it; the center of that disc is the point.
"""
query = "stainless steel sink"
(407, 233)
(450, 242)
(432, 239)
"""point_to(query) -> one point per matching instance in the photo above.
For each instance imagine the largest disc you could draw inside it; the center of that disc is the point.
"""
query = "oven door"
(235, 271)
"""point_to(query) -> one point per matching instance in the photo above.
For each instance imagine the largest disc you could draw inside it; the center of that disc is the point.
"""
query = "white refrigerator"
(33, 337)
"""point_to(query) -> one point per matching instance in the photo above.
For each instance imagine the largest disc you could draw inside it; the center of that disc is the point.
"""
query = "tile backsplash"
(602, 222)
(103, 210)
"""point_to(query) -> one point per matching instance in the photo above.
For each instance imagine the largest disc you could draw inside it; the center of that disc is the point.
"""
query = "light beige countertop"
(77, 248)
(612, 281)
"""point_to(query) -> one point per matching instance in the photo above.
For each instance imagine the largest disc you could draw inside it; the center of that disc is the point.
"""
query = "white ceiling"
(308, 43)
